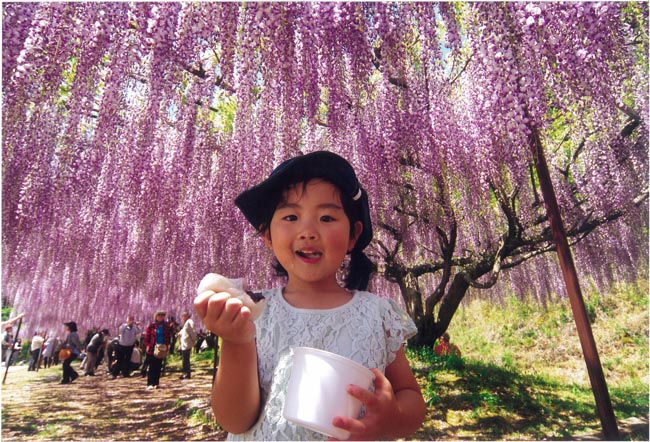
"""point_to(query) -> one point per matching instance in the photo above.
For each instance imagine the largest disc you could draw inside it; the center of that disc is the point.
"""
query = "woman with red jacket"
(157, 333)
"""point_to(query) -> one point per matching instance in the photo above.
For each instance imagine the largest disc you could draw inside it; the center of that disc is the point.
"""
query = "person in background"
(97, 342)
(200, 337)
(144, 367)
(58, 345)
(175, 328)
(111, 354)
(127, 334)
(187, 337)
(7, 344)
(18, 350)
(157, 333)
(35, 349)
(48, 351)
(73, 343)
(446, 348)
(136, 358)
(101, 352)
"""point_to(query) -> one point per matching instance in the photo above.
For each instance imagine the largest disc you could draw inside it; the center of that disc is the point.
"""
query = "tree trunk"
(429, 327)
(412, 298)
(450, 303)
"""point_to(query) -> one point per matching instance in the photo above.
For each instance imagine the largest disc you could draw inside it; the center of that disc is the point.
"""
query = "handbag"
(160, 351)
(64, 354)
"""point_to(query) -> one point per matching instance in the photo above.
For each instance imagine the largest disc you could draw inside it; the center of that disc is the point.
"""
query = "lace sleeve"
(398, 326)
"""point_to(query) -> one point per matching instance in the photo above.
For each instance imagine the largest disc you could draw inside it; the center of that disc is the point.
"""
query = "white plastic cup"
(317, 390)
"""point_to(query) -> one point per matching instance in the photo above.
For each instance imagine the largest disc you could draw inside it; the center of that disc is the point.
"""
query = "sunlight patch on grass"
(523, 375)
(54, 430)
(534, 338)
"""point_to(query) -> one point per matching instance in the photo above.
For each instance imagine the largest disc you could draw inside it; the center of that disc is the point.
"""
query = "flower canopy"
(129, 128)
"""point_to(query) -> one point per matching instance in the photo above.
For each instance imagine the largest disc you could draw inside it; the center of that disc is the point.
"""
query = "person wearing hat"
(97, 342)
(157, 339)
(73, 343)
(7, 343)
(314, 215)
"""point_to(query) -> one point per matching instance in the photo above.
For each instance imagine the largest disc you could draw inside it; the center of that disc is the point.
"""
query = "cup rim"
(342, 359)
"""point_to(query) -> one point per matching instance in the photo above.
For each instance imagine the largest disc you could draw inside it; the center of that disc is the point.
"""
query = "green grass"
(6, 311)
(196, 416)
(203, 360)
(475, 396)
(529, 336)
(204, 356)
(522, 374)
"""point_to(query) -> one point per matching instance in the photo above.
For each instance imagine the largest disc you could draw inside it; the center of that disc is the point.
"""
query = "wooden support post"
(594, 368)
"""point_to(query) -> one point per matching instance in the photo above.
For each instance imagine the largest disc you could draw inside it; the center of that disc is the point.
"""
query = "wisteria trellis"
(128, 128)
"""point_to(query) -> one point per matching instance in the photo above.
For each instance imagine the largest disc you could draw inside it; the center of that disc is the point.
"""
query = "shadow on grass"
(474, 400)
(37, 406)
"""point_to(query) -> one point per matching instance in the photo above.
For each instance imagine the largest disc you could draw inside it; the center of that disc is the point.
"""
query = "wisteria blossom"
(129, 128)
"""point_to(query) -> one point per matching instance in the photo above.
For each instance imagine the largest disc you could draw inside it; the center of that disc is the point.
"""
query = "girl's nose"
(308, 234)
(308, 231)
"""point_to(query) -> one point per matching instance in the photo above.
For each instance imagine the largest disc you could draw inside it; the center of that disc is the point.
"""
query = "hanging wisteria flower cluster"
(129, 128)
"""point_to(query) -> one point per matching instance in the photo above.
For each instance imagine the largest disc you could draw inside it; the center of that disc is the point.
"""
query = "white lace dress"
(368, 329)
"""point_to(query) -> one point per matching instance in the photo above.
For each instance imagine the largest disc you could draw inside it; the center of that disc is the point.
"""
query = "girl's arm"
(394, 410)
(236, 390)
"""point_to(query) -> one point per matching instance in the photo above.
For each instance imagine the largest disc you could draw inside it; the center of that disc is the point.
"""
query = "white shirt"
(128, 335)
(367, 329)
(187, 335)
(37, 343)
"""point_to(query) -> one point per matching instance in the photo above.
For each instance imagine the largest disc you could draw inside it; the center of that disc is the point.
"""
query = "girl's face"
(310, 234)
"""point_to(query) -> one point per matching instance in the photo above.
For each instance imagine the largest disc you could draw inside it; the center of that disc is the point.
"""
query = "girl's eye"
(327, 218)
(290, 218)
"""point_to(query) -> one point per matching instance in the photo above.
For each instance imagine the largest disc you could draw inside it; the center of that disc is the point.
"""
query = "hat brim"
(258, 202)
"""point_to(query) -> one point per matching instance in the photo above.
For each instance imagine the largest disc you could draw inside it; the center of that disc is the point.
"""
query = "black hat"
(72, 325)
(105, 332)
(258, 203)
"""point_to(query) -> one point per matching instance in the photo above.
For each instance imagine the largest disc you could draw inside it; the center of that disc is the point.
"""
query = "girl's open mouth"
(311, 254)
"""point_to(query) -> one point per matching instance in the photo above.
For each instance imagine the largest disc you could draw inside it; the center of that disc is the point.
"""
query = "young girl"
(311, 212)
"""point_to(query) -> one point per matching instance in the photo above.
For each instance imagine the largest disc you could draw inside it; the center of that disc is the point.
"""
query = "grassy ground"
(35, 406)
(522, 374)
(521, 377)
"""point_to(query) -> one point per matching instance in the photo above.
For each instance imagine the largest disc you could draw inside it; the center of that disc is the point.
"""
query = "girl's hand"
(381, 407)
(225, 316)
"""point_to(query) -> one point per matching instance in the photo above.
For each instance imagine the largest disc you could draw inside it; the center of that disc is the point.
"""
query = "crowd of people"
(133, 350)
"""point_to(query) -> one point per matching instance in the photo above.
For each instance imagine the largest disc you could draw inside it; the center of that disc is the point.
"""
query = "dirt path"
(36, 406)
